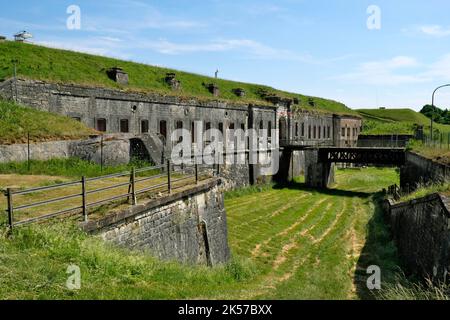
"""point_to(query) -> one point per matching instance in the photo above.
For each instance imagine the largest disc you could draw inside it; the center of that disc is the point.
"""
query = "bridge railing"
(305, 143)
(87, 195)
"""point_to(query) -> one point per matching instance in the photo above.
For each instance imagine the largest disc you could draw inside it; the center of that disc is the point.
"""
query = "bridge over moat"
(319, 161)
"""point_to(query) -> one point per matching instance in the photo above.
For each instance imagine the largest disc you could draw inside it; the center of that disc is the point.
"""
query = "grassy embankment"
(396, 121)
(286, 242)
(62, 66)
(17, 121)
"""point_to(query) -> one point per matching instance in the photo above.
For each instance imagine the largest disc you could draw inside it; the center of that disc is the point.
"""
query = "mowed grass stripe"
(321, 267)
(265, 213)
(283, 247)
(273, 226)
(301, 216)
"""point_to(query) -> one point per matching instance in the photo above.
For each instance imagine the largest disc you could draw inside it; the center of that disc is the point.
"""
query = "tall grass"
(34, 263)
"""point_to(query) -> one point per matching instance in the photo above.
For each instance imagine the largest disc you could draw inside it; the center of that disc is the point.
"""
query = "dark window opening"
(101, 125)
(269, 128)
(144, 126)
(179, 125)
(303, 129)
(124, 126)
(221, 127)
(319, 131)
(314, 132)
(243, 126)
(329, 132)
(296, 129)
(163, 128)
(343, 132)
(309, 132)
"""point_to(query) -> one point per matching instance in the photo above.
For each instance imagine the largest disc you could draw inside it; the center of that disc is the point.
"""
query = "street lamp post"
(432, 108)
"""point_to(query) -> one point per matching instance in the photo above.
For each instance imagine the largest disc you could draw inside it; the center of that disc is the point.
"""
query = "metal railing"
(438, 141)
(136, 176)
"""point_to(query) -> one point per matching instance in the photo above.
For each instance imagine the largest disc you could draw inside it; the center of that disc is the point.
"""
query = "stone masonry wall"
(172, 228)
(420, 229)
(420, 170)
(116, 151)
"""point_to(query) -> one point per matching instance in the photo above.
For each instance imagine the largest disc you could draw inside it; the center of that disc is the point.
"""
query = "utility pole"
(432, 109)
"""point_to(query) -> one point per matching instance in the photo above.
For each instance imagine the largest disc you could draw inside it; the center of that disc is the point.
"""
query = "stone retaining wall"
(420, 229)
(419, 170)
(189, 226)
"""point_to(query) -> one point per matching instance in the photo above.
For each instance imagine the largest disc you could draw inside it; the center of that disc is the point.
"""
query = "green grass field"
(17, 121)
(62, 66)
(287, 243)
(396, 121)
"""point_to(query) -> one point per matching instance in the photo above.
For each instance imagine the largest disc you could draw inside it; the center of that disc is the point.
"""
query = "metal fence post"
(83, 193)
(28, 152)
(133, 186)
(9, 194)
(196, 172)
(169, 185)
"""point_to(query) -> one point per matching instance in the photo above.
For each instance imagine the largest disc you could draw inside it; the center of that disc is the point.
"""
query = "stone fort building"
(155, 117)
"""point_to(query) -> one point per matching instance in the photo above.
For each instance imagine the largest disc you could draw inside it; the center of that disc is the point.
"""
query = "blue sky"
(316, 47)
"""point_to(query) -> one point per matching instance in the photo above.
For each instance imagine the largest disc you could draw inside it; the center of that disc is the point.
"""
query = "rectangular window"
(303, 129)
(269, 128)
(124, 126)
(179, 125)
(343, 132)
(319, 131)
(309, 132)
(101, 125)
(314, 132)
(329, 132)
(144, 126)
(243, 126)
(296, 129)
(221, 127)
(163, 128)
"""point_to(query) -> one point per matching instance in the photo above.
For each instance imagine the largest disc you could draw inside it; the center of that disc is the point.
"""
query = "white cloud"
(252, 48)
(396, 71)
(435, 31)
(103, 46)
(440, 69)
